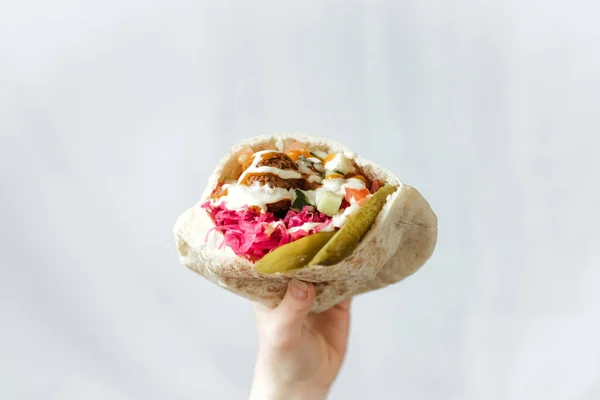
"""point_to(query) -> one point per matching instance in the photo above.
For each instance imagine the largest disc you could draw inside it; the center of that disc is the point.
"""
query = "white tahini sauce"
(341, 218)
(307, 226)
(255, 169)
(256, 194)
(338, 185)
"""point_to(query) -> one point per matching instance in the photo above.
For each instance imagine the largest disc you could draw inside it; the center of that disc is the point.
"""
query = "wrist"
(267, 386)
(270, 391)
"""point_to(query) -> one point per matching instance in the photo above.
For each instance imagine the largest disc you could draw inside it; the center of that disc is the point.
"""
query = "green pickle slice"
(345, 240)
(293, 255)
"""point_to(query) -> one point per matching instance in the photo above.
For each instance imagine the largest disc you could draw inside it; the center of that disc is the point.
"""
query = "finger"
(290, 314)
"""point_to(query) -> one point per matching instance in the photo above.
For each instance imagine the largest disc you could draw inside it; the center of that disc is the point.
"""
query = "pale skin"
(300, 354)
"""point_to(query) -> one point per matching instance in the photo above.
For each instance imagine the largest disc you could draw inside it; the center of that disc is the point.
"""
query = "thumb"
(292, 311)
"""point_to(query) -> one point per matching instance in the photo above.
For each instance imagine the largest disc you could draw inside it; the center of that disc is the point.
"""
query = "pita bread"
(399, 242)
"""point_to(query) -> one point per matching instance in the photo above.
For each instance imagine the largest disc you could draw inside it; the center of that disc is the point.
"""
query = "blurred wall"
(113, 114)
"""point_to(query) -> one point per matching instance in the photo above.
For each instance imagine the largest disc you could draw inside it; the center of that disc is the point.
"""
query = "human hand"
(299, 353)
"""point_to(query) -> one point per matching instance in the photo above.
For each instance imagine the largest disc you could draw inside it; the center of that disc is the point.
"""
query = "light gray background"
(113, 113)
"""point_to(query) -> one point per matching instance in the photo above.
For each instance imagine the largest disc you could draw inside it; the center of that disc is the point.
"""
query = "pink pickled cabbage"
(252, 233)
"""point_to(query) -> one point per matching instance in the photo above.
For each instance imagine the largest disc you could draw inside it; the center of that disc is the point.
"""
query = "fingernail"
(299, 289)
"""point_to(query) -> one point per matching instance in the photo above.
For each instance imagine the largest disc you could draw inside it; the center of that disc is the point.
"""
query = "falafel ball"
(281, 161)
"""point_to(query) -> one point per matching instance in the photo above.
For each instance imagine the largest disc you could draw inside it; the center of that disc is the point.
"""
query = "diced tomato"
(376, 186)
(359, 195)
(344, 204)
(294, 154)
